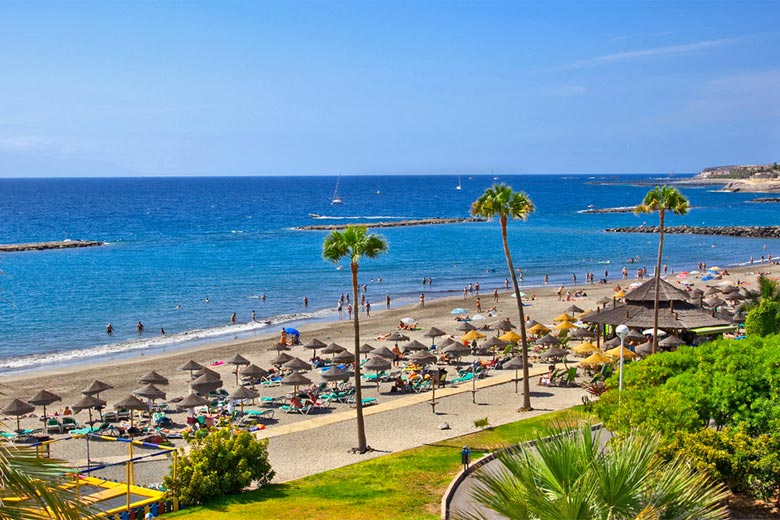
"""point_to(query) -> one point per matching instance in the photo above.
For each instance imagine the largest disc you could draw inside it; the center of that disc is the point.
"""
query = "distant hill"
(742, 172)
(755, 178)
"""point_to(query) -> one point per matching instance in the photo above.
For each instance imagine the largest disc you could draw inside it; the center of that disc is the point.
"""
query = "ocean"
(183, 254)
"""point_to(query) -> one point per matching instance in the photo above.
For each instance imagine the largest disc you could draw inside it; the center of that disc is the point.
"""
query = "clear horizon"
(127, 89)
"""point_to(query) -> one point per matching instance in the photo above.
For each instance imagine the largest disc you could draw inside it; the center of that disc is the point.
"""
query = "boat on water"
(459, 186)
(336, 199)
(315, 215)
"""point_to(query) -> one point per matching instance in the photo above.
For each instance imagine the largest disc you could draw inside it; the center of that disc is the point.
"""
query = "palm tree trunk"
(658, 279)
(361, 427)
(526, 384)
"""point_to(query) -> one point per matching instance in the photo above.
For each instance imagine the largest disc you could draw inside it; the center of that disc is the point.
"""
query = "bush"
(744, 463)
(220, 462)
(764, 319)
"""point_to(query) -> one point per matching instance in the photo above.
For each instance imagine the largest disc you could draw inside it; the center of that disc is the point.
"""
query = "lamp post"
(622, 332)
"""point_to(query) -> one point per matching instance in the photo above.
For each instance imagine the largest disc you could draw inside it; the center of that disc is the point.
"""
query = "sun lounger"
(69, 423)
(303, 410)
(367, 401)
(462, 379)
(260, 414)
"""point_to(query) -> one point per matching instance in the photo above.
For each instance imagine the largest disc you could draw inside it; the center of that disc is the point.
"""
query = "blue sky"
(306, 88)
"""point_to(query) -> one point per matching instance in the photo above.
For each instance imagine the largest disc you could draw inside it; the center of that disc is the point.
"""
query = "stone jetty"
(42, 246)
(621, 209)
(728, 231)
(399, 223)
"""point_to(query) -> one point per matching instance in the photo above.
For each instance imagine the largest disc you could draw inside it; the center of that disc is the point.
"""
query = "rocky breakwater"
(399, 223)
(42, 246)
(729, 231)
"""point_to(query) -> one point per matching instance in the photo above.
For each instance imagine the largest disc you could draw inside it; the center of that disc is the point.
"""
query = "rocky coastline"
(42, 246)
(400, 223)
(730, 231)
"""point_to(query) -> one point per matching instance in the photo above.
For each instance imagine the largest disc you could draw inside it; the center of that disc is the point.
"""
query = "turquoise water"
(175, 242)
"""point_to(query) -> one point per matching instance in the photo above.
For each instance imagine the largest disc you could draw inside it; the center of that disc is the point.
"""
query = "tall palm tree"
(499, 200)
(38, 480)
(355, 243)
(661, 199)
(570, 475)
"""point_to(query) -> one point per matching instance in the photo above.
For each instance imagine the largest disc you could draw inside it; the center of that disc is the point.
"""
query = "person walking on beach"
(495, 295)
(479, 305)
(349, 311)
(422, 299)
(368, 308)
(476, 288)
(340, 309)
(387, 299)
(560, 292)
(547, 279)
(465, 291)
(506, 284)
(254, 316)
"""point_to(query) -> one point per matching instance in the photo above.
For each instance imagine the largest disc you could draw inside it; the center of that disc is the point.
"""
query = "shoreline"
(406, 421)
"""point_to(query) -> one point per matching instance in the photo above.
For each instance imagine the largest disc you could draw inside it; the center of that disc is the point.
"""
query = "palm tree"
(354, 243)
(661, 199)
(499, 200)
(38, 480)
(570, 475)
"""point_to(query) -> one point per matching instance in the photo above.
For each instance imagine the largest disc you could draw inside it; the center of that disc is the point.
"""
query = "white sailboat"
(336, 199)
(459, 187)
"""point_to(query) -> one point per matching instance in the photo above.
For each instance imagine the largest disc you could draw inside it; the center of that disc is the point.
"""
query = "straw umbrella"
(88, 402)
(241, 393)
(538, 329)
(510, 337)
(296, 379)
(503, 325)
(414, 345)
(335, 373)
(434, 333)
(548, 340)
(614, 342)
(44, 398)
(365, 348)
(206, 383)
(554, 352)
(315, 344)
(153, 378)
(333, 348)
(495, 343)
(645, 349)
(131, 403)
(96, 387)
(192, 401)
(424, 358)
(279, 347)
(298, 365)
(151, 392)
(17, 408)
(565, 325)
(472, 335)
(344, 357)
(254, 372)
(396, 337)
(563, 317)
(585, 348)
(615, 353)
(634, 335)
(456, 350)
(383, 352)
(377, 364)
(238, 360)
(597, 358)
(573, 309)
(281, 359)
(671, 342)
(191, 366)
(465, 326)
(516, 363)
(581, 333)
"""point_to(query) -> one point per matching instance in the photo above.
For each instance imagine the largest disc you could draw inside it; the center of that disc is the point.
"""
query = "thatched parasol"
(414, 345)
(153, 378)
(335, 373)
(548, 340)
(554, 353)
(96, 387)
(281, 359)
(465, 326)
(315, 344)
(383, 352)
(44, 398)
(434, 333)
(333, 348)
(516, 363)
(191, 366)
(17, 408)
(150, 392)
(296, 379)
(344, 356)
(365, 348)
(297, 364)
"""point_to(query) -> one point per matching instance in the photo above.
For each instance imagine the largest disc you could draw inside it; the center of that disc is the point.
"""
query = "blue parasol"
(292, 332)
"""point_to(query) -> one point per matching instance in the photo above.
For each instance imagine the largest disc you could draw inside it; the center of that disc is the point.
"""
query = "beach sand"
(303, 445)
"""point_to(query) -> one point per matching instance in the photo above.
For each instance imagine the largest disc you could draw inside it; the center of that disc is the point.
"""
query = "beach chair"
(367, 401)
(53, 423)
(69, 423)
(271, 381)
(303, 410)
(422, 386)
(567, 378)
(468, 376)
(260, 414)
(110, 416)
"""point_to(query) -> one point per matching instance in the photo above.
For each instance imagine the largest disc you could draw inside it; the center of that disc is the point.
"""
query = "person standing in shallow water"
(233, 318)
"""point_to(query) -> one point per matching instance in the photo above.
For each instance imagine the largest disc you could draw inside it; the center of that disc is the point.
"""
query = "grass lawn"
(405, 485)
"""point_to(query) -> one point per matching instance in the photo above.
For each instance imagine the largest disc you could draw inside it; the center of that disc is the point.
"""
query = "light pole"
(622, 332)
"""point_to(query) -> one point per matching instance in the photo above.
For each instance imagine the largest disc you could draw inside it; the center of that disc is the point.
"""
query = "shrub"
(764, 319)
(220, 462)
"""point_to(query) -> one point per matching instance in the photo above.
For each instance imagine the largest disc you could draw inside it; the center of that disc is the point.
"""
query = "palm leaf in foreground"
(570, 476)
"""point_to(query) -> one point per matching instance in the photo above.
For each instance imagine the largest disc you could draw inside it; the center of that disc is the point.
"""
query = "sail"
(336, 199)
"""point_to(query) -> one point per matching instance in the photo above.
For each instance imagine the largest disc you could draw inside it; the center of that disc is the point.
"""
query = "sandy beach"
(398, 422)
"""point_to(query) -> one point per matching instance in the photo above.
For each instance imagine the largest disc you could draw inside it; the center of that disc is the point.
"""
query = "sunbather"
(546, 379)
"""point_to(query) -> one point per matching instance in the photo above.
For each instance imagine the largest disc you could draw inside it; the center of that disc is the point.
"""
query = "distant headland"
(42, 246)
(400, 223)
(751, 178)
